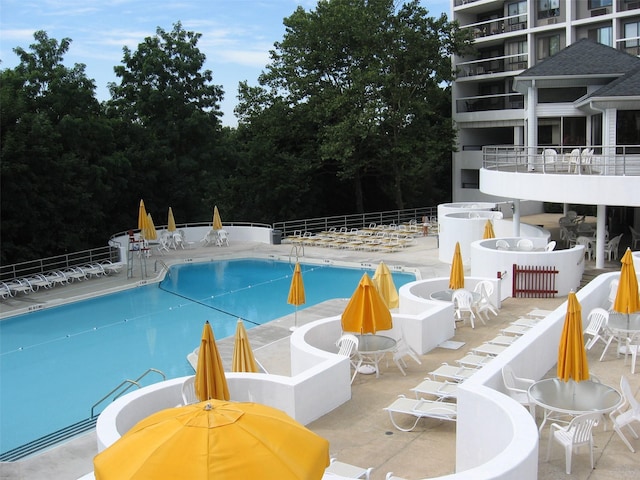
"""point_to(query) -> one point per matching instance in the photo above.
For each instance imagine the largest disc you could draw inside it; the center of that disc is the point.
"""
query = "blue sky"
(236, 34)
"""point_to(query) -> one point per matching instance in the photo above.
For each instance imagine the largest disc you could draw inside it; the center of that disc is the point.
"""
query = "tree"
(170, 109)
(373, 80)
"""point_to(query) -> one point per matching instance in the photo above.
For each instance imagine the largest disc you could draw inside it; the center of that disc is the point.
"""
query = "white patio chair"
(550, 246)
(348, 347)
(518, 387)
(549, 159)
(626, 414)
(588, 245)
(574, 160)
(403, 350)
(632, 346)
(223, 238)
(577, 434)
(502, 244)
(525, 245)
(462, 303)
(484, 288)
(611, 248)
(189, 391)
(595, 329)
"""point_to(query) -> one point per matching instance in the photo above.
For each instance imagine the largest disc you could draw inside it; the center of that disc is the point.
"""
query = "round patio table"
(560, 399)
(447, 295)
(622, 326)
(372, 348)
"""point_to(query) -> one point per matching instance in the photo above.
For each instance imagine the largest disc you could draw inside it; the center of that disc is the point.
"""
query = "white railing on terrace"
(360, 220)
(618, 160)
(485, 103)
(495, 26)
(487, 66)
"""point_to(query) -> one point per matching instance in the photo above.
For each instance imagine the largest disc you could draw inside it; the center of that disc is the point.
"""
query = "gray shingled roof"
(582, 58)
(627, 85)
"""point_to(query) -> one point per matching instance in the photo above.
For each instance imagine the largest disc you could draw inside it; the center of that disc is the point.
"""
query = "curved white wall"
(487, 261)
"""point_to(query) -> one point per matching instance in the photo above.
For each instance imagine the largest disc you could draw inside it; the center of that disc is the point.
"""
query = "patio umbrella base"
(367, 369)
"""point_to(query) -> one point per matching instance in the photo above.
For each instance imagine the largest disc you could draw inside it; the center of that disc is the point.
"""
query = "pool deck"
(359, 431)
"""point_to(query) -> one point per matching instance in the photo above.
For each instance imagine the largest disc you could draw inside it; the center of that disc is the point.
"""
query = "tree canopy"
(351, 114)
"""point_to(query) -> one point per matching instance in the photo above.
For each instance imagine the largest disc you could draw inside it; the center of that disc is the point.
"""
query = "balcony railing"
(618, 160)
(485, 66)
(630, 45)
(496, 26)
(504, 101)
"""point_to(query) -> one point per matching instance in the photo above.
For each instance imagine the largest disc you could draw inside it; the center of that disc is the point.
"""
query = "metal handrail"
(129, 383)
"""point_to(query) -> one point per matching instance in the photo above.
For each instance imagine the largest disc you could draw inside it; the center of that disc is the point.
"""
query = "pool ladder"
(127, 383)
(295, 250)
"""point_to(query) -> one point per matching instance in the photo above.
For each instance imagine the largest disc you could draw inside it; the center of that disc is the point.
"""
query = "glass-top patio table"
(372, 348)
(447, 295)
(561, 399)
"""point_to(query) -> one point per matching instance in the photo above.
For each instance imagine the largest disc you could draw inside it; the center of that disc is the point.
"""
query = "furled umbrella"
(217, 221)
(488, 231)
(142, 218)
(627, 300)
(243, 359)
(572, 355)
(150, 229)
(296, 293)
(210, 381)
(385, 285)
(456, 276)
(366, 311)
(216, 439)
(171, 222)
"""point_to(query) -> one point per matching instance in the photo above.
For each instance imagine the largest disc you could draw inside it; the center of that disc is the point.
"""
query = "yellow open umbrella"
(210, 380)
(488, 231)
(627, 300)
(142, 217)
(213, 440)
(366, 311)
(243, 360)
(150, 229)
(384, 283)
(217, 221)
(171, 222)
(456, 277)
(296, 292)
(572, 356)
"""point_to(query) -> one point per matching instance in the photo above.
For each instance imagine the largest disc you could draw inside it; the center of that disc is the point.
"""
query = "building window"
(628, 131)
(470, 178)
(520, 9)
(548, 46)
(603, 35)
(593, 4)
(548, 8)
(631, 32)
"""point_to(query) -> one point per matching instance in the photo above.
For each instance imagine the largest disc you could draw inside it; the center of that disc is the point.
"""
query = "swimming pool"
(55, 364)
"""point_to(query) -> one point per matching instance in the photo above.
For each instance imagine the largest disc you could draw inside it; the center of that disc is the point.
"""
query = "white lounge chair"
(37, 281)
(340, 470)
(473, 360)
(5, 291)
(441, 390)
(19, 285)
(421, 409)
(452, 372)
(111, 267)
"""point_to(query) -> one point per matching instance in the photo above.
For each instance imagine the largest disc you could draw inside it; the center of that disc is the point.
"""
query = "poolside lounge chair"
(339, 470)
(110, 267)
(19, 285)
(421, 409)
(37, 281)
(473, 360)
(441, 390)
(73, 273)
(5, 291)
(452, 372)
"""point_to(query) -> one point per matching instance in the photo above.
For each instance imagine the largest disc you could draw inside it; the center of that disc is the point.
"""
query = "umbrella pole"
(295, 320)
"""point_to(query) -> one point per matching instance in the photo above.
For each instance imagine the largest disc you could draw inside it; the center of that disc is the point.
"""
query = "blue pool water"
(55, 364)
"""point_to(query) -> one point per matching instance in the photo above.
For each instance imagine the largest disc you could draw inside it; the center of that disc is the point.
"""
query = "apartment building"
(504, 95)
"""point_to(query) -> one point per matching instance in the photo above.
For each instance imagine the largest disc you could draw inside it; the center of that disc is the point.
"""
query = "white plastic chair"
(549, 158)
(223, 238)
(348, 347)
(502, 244)
(627, 413)
(588, 246)
(635, 237)
(403, 350)
(484, 304)
(525, 245)
(595, 329)
(463, 304)
(518, 387)
(611, 247)
(577, 434)
(550, 246)
(189, 391)
(340, 470)
(631, 348)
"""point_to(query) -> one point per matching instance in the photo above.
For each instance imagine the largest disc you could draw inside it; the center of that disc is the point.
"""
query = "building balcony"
(489, 66)
(483, 103)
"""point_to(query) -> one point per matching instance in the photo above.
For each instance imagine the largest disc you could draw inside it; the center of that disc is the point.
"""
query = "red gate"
(534, 281)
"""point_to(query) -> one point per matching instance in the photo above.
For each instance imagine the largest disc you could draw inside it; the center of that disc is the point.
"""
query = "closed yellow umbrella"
(456, 277)
(215, 440)
(243, 359)
(572, 356)
(210, 380)
(296, 292)
(217, 221)
(142, 217)
(171, 222)
(627, 300)
(385, 285)
(488, 231)
(366, 311)
(150, 229)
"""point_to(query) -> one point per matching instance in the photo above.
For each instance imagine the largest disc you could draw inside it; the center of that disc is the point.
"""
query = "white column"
(516, 217)
(532, 125)
(601, 218)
